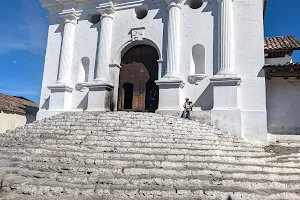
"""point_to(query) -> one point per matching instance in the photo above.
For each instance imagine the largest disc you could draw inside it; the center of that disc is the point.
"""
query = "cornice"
(70, 15)
(220, 1)
(174, 3)
(106, 9)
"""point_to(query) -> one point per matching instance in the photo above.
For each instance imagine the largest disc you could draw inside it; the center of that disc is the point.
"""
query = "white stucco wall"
(281, 60)
(10, 121)
(283, 106)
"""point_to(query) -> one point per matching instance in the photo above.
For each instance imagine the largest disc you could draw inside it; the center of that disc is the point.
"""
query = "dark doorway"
(128, 95)
(140, 69)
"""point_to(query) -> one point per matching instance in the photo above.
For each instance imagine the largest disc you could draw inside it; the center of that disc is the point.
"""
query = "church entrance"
(137, 89)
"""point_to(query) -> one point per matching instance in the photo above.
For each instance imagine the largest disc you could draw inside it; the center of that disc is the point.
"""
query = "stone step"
(121, 155)
(92, 135)
(118, 137)
(44, 187)
(111, 146)
(142, 150)
(105, 131)
(123, 129)
(56, 157)
(202, 145)
(83, 156)
(204, 180)
(139, 169)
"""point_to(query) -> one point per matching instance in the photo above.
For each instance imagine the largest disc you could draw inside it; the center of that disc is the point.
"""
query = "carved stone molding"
(70, 16)
(137, 34)
(175, 3)
(106, 9)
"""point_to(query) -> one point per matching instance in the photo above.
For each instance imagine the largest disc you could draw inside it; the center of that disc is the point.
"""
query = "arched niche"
(83, 70)
(197, 63)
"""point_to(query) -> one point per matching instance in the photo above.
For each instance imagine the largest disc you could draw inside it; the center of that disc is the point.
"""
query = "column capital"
(175, 3)
(106, 9)
(70, 16)
(220, 1)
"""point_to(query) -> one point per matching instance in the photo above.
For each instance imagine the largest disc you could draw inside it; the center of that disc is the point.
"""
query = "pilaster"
(173, 50)
(226, 64)
(61, 91)
(105, 38)
(70, 20)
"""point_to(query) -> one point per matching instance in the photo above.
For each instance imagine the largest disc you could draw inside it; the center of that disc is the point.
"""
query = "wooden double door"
(137, 89)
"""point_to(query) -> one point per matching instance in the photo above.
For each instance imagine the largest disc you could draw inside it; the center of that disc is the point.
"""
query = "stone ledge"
(225, 81)
(97, 84)
(171, 82)
(61, 87)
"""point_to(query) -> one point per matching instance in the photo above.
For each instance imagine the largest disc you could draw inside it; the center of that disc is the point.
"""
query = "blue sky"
(23, 38)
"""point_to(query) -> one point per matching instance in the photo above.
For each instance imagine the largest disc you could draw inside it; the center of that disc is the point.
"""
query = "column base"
(60, 97)
(226, 115)
(99, 96)
(169, 95)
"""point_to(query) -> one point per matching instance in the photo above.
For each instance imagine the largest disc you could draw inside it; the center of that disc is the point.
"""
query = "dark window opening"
(94, 19)
(195, 4)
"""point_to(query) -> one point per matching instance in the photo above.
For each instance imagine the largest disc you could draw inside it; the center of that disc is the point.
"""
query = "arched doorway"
(137, 89)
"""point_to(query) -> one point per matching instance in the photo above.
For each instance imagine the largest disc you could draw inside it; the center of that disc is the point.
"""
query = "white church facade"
(148, 55)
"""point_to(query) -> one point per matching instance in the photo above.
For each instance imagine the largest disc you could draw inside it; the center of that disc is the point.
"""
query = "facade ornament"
(137, 34)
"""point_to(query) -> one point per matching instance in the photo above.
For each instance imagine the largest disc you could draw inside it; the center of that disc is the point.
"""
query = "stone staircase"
(126, 155)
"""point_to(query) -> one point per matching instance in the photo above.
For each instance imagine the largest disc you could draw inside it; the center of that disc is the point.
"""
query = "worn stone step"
(172, 181)
(218, 151)
(131, 147)
(44, 187)
(207, 177)
(133, 132)
(61, 162)
(142, 156)
(117, 137)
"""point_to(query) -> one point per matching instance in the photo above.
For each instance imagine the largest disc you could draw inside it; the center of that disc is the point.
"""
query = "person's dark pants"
(187, 114)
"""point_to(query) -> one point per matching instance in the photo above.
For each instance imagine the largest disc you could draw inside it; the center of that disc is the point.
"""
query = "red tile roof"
(18, 105)
(281, 43)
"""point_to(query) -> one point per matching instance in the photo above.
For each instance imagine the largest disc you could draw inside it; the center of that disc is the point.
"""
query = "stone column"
(225, 37)
(66, 53)
(100, 90)
(61, 91)
(105, 37)
(173, 50)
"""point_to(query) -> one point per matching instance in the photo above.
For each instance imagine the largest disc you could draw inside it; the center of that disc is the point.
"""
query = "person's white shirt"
(187, 106)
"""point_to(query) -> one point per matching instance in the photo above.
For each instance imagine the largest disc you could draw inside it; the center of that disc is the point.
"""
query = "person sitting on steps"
(187, 108)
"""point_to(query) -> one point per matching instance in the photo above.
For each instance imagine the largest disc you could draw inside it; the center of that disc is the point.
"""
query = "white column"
(66, 53)
(173, 50)
(225, 37)
(104, 48)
